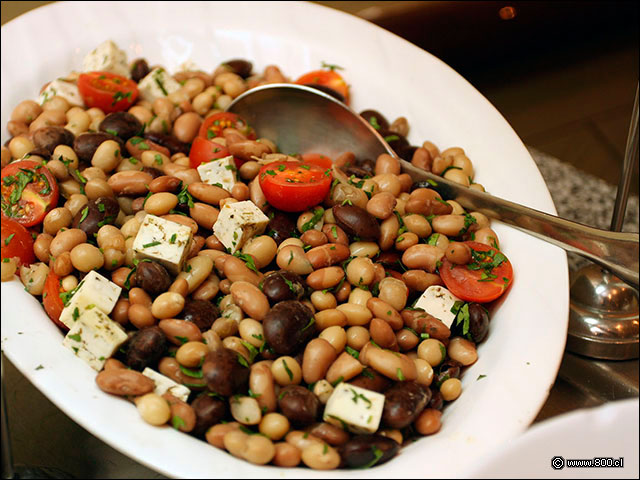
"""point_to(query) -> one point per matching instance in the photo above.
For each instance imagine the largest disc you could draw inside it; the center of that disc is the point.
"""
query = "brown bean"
(140, 316)
(165, 183)
(208, 193)
(428, 422)
(407, 340)
(423, 322)
(124, 382)
(215, 434)
(382, 334)
(247, 149)
(186, 126)
(178, 330)
(334, 233)
(318, 356)
(458, 253)
(183, 416)
(130, 182)
(385, 163)
(313, 238)
(41, 246)
(325, 278)
(66, 240)
(205, 215)
(422, 256)
(381, 205)
(160, 203)
(293, 259)
(396, 366)
(249, 297)
(382, 310)
(419, 280)
(427, 202)
(356, 221)
(236, 270)
(327, 255)
(62, 265)
(287, 455)
(345, 367)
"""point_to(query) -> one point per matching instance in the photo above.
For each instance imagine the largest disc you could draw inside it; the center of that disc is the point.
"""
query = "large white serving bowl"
(522, 354)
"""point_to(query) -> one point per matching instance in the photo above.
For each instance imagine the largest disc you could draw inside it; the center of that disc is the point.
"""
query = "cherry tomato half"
(294, 186)
(203, 150)
(214, 124)
(326, 78)
(317, 159)
(107, 91)
(29, 191)
(51, 300)
(17, 242)
(488, 276)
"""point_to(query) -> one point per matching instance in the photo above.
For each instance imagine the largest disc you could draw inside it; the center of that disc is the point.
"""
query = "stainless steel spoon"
(302, 119)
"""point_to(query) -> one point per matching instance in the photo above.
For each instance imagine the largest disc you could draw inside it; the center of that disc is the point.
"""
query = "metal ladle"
(302, 119)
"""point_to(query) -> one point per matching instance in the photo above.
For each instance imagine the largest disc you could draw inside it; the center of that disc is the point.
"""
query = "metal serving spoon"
(302, 119)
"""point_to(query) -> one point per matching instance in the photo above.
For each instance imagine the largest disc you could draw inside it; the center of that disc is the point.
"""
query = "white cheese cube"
(94, 337)
(157, 84)
(163, 241)
(166, 385)
(107, 57)
(438, 301)
(94, 289)
(221, 173)
(237, 223)
(359, 409)
(62, 88)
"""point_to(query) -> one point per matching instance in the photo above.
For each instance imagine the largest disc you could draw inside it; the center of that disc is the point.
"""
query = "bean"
(432, 351)
(318, 356)
(245, 410)
(422, 322)
(262, 248)
(330, 317)
(286, 371)
(165, 183)
(320, 457)
(396, 366)
(183, 416)
(262, 384)
(428, 422)
(182, 220)
(167, 305)
(327, 254)
(257, 449)
(356, 221)
(394, 292)
(488, 237)
(382, 334)
(357, 337)
(407, 340)
(130, 183)
(385, 163)
(160, 203)
(186, 126)
(325, 277)
(208, 193)
(9, 269)
(41, 246)
(419, 280)
(463, 351)
(301, 439)
(422, 256)
(140, 316)
(322, 300)
(215, 434)
(293, 259)
(153, 409)
(249, 297)
(345, 367)
(191, 354)
(342, 292)
(386, 312)
(26, 111)
(360, 271)
(458, 253)
(274, 425)
(236, 270)
(124, 382)
(20, 146)
(417, 224)
(364, 249)
(62, 265)
(247, 149)
(381, 205)
(53, 117)
(86, 257)
(457, 176)
(335, 336)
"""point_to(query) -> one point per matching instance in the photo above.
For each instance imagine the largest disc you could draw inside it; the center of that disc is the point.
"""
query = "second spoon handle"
(615, 251)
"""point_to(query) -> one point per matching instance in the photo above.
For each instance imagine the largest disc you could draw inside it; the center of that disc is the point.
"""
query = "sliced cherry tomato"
(51, 300)
(326, 78)
(214, 124)
(29, 191)
(17, 242)
(294, 186)
(107, 91)
(203, 150)
(488, 276)
(317, 159)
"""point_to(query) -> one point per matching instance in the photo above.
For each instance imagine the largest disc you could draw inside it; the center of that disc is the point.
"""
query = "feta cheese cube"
(94, 337)
(166, 385)
(107, 57)
(359, 409)
(94, 289)
(221, 173)
(438, 301)
(157, 84)
(237, 223)
(163, 241)
(64, 88)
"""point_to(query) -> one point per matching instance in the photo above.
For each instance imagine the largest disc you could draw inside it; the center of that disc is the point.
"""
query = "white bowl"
(522, 354)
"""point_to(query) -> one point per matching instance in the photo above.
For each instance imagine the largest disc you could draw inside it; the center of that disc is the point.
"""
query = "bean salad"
(291, 309)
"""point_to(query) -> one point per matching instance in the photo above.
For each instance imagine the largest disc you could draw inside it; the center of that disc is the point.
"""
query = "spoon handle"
(615, 251)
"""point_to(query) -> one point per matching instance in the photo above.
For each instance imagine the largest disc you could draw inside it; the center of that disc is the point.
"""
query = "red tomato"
(107, 91)
(203, 150)
(51, 300)
(29, 191)
(17, 242)
(214, 125)
(326, 78)
(294, 186)
(488, 276)
(317, 159)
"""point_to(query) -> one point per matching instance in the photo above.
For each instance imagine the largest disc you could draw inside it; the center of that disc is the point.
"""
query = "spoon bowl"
(301, 119)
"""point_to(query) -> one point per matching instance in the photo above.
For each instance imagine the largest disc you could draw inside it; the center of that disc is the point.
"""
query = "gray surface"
(43, 435)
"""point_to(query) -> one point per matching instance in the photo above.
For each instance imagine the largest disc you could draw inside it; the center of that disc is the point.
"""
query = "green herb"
(433, 239)
(391, 138)
(352, 351)
(75, 350)
(248, 259)
(120, 96)
(318, 213)
(80, 177)
(345, 427)
(368, 374)
(66, 296)
(331, 67)
(287, 369)
(76, 337)
(177, 422)
(85, 212)
(377, 455)
(347, 201)
(39, 367)
(7, 260)
(151, 244)
(133, 160)
(357, 395)
(157, 158)
(443, 352)
(450, 167)
(281, 168)
(373, 120)
(8, 239)
(468, 221)
(242, 361)
(184, 197)
(112, 132)
(480, 377)
(325, 449)
(158, 81)
(253, 351)
(191, 373)
(290, 257)
(182, 340)
(400, 375)
(172, 240)
(271, 172)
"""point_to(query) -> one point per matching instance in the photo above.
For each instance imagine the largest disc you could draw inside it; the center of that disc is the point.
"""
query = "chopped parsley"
(287, 369)
(151, 244)
(76, 337)
(8, 239)
(318, 213)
